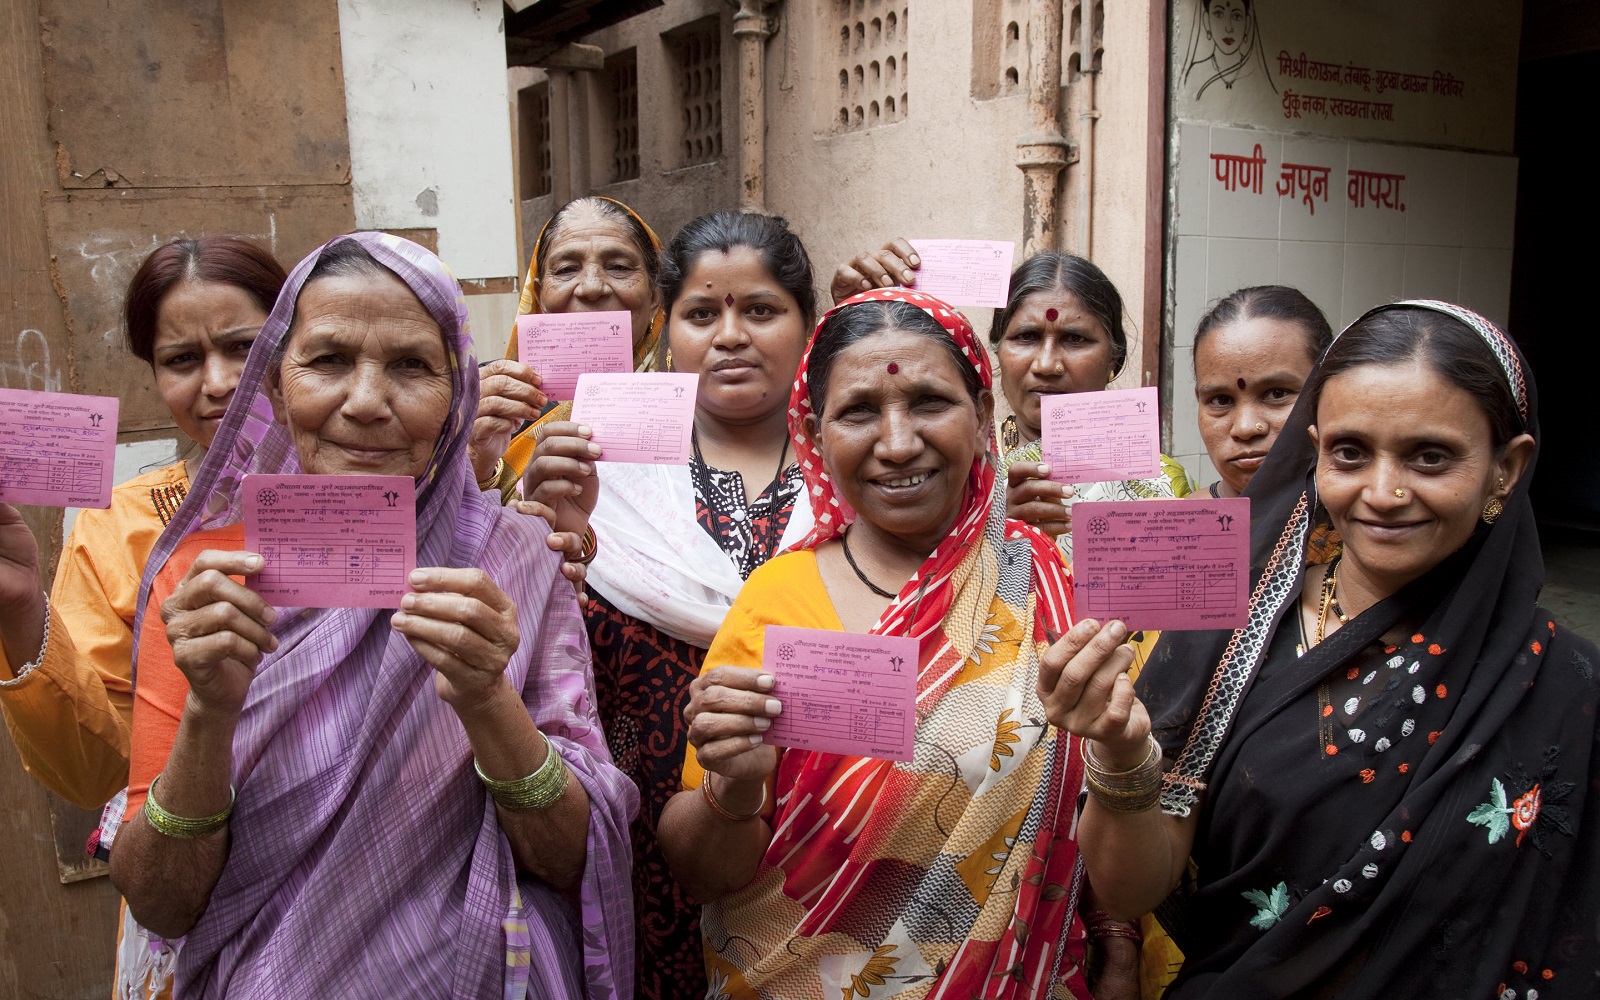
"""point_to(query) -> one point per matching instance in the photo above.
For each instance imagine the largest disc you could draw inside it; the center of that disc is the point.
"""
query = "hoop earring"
(1492, 510)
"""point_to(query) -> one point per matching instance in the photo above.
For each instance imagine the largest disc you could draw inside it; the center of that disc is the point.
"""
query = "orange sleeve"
(69, 717)
(68, 735)
(161, 689)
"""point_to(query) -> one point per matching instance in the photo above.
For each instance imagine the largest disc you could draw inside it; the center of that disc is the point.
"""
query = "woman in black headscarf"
(1387, 780)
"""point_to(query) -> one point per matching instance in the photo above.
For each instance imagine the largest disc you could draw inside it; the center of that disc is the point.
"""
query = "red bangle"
(587, 548)
(1103, 925)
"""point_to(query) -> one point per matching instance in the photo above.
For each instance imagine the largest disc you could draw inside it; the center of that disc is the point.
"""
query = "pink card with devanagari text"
(1163, 564)
(965, 272)
(331, 541)
(644, 418)
(562, 346)
(1096, 437)
(56, 448)
(843, 692)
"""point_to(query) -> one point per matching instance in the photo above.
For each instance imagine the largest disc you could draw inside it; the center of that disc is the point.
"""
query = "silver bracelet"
(44, 644)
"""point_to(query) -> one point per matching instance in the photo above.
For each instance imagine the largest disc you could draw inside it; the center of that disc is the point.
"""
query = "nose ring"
(1399, 493)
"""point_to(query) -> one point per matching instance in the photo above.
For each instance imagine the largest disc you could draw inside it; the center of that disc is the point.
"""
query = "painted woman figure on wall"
(1224, 42)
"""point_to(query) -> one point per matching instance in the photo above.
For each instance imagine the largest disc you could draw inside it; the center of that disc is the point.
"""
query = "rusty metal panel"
(98, 238)
(208, 92)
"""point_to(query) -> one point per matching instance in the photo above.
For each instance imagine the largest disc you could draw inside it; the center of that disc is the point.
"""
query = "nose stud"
(1399, 493)
(1060, 368)
(1261, 428)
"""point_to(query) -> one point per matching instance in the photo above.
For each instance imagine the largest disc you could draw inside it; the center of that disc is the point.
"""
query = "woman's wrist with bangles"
(1128, 790)
(716, 804)
(533, 792)
(170, 824)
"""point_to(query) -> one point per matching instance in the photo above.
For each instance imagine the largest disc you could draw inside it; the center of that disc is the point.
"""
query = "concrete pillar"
(1043, 152)
(751, 29)
(569, 175)
(561, 135)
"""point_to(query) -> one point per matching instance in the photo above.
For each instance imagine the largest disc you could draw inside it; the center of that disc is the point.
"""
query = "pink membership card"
(965, 272)
(644, 418)
(56, 448)
(1093, 437)
(562, 346)
(331, 541)
(1160, 564)
(843, 692)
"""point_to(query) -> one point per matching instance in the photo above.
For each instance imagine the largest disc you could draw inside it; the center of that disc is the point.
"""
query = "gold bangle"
(588, 548)
(1133, 790)
(716, 807)
(493, 479)
(539, 790)
(182, 827)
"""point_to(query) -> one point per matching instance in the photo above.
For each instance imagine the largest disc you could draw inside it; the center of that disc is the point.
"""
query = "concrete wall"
(1325, 93)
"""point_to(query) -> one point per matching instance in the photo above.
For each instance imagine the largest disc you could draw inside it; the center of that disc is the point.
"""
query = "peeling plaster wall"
(430, 141)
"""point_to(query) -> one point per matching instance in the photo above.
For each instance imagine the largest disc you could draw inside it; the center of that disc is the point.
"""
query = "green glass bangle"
(182, 827)
(539, 790)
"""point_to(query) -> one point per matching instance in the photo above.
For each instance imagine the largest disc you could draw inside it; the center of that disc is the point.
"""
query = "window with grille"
(621, 79)
(871, 64)
(696, 52)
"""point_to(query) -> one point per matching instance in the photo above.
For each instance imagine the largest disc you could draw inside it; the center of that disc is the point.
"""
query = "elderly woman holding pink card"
(351, 801)
(594, 254)
(953, 873)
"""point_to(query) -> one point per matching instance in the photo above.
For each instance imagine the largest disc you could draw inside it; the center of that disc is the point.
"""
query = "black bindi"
(1241, 384)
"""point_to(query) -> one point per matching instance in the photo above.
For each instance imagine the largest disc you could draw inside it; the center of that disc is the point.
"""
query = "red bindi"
(894, 369)
(727, 300)
(1050, 315)
(1241, 384)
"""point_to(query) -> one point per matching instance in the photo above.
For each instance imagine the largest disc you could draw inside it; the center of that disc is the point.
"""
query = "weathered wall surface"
(1356, 152)
(430, 141)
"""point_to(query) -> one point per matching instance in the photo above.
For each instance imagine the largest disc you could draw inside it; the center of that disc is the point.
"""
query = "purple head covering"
(365, 857)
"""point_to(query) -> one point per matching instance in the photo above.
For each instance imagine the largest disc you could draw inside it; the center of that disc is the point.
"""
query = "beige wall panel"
(98, 238)
(205, 93)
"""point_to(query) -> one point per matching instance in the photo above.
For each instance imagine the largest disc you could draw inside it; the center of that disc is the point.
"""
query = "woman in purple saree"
(321, 830)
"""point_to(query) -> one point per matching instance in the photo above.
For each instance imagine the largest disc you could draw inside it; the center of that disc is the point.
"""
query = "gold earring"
(669, 359)
(1492, 510)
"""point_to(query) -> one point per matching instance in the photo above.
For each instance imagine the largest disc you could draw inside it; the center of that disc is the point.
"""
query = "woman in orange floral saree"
(954, 874)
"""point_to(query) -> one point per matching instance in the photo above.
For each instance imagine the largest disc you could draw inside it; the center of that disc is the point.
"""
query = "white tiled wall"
(1452, 241)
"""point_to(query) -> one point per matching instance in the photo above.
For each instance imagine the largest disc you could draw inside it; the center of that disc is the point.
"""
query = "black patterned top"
(749, 534)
